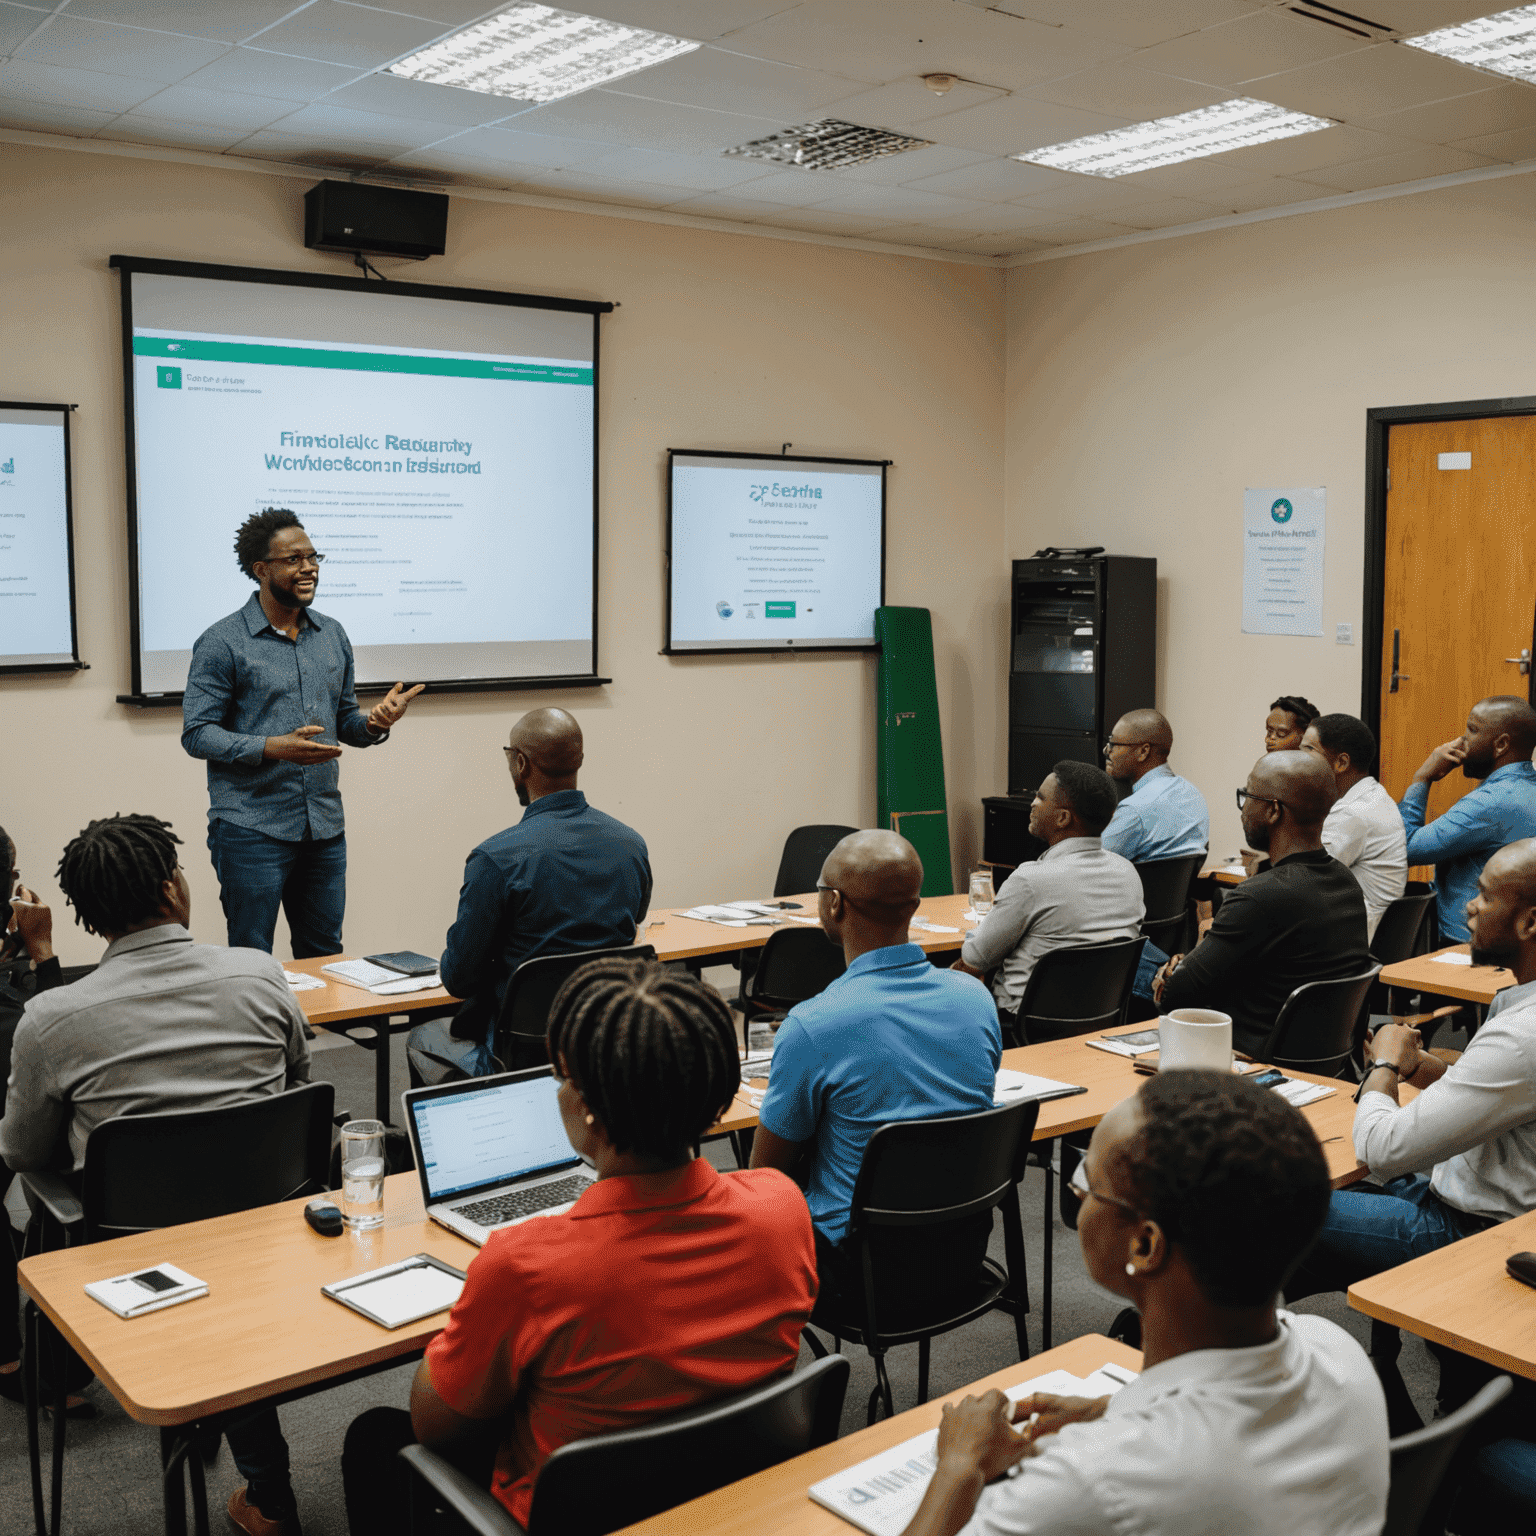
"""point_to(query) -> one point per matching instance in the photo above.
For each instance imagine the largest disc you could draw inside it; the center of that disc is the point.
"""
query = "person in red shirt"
(666, 1284)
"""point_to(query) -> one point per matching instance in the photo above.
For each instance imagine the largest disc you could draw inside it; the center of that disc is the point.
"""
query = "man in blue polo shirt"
(566, 877)
(893, 1038)
(1164, 816)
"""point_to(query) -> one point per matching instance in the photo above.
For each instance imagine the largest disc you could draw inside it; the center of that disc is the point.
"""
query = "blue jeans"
(1498, 1494)
(1152, 960)
(471, 1056)
(258, 874)
(256, 1443)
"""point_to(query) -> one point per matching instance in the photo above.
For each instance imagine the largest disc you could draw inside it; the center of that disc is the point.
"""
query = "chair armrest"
(50, 1192)
(474, 1505)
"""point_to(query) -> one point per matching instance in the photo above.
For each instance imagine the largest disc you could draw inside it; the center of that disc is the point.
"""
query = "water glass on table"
(362, 1174)
(981, 892)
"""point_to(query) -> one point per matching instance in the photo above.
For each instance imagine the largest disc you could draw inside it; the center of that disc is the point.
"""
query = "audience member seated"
(893, 1038)
(566, 877)
(1199, 1196)
(1076, 892)
(665, 1285)
(1301, 920)
(162, 1024)
(1363, 831)
(1473, 1125)
(1495, 749)
(1164, 816)
(1287, 722)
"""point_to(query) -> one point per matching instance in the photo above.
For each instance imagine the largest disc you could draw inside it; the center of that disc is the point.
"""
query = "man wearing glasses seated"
(1300, 920)
(267, 686)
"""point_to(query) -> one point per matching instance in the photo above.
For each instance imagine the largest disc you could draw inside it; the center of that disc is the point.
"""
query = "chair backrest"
(1078, 990)
(143, 1172)
(1397, 934)
(593, 1486)
(1419, 1460)
(805, 851)
(919, 1173)
(1315, 1029)
(795, 963)
(1165, 887)
(530, 995)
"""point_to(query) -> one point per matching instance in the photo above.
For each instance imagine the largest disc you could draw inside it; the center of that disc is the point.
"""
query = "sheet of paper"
(360, 973)
(1139, 1043)
(1012, 1086)
(299, 982)
(1453, 959)
(924, 926)
(407, 1294)
(405, 984)
(1300, 1094)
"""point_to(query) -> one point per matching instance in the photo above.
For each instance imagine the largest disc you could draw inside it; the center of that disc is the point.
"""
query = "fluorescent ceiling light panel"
(533, 52)
(827, 145)
(1504, 44)
(1236, 124)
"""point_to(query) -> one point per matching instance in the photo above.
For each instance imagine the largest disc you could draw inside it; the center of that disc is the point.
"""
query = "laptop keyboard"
(522, 1202)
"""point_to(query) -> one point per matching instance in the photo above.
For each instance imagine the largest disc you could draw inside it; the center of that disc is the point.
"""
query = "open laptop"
(492, 1152)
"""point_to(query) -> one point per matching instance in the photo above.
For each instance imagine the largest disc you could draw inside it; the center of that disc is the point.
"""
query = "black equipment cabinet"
(1083, 647)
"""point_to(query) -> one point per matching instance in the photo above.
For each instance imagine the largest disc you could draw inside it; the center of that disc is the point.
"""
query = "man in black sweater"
(1301, 920)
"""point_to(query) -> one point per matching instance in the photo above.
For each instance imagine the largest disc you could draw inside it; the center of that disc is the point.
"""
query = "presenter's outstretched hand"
(296, 747)
(389, 709)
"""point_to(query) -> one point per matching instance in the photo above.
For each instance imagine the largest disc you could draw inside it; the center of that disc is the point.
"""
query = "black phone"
(153, 1280)
(1271, 1079)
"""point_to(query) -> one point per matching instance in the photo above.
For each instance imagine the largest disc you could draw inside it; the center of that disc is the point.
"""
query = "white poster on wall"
(1283, 542)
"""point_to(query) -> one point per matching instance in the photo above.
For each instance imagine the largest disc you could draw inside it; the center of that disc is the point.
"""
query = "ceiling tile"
(1461, 117)
(1166, 213)
(72, 87)
(800, 189)
(634, 122)
(326, 146)
(913, 234)
(349, 127)
(50, 117)
(447, 13)
(891, 202)
(1016, 124)
(118, 50)
(223, 20)
(698, 173)
(1122, 90)
(1000, 245)
(440, 160)
(1258, 45)
(989, 218)
(1087, 194)
(703, 19)
(224, 109)
(913, 165)
(271, 74)
(1136, 23)
(880, 39)
(1194, 178)
(349, 34)
(1292, 157)
(732, 82)
(394, 96)
(503, 146)
(829, 221)
(1075, 231)
(1418, 16)
(993, 181)
(1514, 147)
(174, 132)
(1273, 192)
(728, 205)
(1416, 164)
(607, 189)
(17, 25)
(1368, 83)
(908, 104)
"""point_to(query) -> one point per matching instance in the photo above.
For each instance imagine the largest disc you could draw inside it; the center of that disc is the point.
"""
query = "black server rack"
(1083, 652)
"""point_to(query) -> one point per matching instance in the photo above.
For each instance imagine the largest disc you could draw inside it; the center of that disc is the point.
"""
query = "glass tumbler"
(362, 1174)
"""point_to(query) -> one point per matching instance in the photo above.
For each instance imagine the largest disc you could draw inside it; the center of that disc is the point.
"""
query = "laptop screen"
(490, 1135)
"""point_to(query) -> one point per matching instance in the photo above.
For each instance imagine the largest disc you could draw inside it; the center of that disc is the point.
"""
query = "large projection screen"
(438, 444)
(773, 553)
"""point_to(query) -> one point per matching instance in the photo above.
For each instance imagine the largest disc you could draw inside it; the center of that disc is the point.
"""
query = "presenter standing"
(266, 685)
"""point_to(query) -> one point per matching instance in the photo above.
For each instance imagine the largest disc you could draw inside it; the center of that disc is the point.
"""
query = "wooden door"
(1460, 584)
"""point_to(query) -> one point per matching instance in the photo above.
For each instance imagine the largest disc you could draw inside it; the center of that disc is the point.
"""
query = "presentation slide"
(773, 553)
(37, 620)
(438, 451)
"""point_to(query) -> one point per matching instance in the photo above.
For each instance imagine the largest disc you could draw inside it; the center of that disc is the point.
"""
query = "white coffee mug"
(1195, 1037)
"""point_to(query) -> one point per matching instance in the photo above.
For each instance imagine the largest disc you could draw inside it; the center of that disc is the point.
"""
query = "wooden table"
(1470, 983)
(776, 1500)
(1224, 874)
(1463, 1297)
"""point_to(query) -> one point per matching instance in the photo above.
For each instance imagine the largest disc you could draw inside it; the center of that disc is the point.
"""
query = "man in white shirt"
(1199, 1196)
(1364, 830)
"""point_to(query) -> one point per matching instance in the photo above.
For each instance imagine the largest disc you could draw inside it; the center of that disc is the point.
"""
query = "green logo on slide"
(1281, 511)
(778, 610)
(168, 378)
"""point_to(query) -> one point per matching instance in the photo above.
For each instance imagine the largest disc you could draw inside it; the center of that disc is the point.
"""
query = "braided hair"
(253, 538)
(652, 1051)
(112, 873)
(1302, 711)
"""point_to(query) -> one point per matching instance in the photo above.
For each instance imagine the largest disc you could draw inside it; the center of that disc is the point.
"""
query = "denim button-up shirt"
(1164, 817)
(249, 681)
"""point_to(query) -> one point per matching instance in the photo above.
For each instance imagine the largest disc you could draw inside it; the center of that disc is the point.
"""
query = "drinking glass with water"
(362, 1174)
(981, 892)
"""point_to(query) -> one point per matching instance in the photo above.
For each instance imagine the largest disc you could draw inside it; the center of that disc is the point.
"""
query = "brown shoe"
(254, 1523)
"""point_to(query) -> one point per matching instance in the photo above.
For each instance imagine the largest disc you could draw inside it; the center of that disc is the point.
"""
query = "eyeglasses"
(1245, 795)
(1112, 743)
(293, 562)
(1080, 1187)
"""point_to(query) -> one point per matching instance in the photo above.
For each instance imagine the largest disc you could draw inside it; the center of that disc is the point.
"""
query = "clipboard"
(388, 1297)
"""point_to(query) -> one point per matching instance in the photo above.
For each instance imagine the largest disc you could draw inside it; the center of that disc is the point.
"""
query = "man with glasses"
(1301, 920)
(1163, 816)
(267, 685)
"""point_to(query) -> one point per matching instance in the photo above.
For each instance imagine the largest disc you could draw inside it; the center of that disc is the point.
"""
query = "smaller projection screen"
(37, 589)
(767, 553)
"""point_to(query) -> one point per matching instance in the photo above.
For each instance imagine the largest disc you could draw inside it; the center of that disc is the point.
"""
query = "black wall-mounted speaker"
(385, 221)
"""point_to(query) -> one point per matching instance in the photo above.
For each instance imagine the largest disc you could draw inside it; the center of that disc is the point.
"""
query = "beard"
(1258, 837)
(1501, 955)
(290, 598)
(522, 794)
(1478, 768)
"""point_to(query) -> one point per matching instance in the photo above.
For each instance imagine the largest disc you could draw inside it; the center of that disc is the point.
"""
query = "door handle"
(1523, 660)
(1397, 677)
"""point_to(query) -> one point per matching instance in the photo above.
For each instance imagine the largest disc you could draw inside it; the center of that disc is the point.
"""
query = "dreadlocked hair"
(253, 538)
(112, 873)
(652, 1051)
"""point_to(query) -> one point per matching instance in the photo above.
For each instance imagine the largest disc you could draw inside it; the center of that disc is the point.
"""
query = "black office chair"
(1399, 934)
(795, 963)
(600, 1484)
(1165, 886)
(1316, 1028)
(805, 851)
(144, 1172)
(1420, 1459)
(517, 1041)
(932, 1174)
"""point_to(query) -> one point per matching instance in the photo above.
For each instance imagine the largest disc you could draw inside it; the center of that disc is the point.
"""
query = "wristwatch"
(1387, 1066)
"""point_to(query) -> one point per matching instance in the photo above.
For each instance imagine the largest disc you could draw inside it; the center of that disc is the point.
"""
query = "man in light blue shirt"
(1164, 816)
(1495, 749)
(893, 1038)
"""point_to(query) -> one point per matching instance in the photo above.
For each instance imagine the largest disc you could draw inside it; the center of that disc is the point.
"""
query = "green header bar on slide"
(356, 362)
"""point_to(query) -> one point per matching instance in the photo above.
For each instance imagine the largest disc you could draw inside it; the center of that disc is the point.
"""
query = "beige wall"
(1148, 386)
(723, 341)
